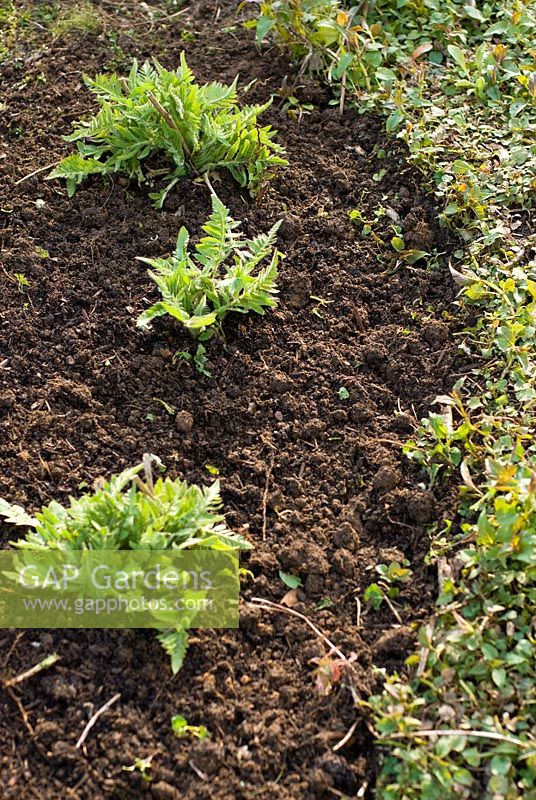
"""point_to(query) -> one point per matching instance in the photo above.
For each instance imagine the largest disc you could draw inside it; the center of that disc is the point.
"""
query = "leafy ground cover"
(457, 82)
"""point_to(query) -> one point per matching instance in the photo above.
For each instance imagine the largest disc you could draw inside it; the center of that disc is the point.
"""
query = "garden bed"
(313, 478)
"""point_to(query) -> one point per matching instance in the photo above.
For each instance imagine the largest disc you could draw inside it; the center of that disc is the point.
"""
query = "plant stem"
(166, 116)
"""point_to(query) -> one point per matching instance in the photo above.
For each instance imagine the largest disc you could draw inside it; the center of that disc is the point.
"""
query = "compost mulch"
(316, 482)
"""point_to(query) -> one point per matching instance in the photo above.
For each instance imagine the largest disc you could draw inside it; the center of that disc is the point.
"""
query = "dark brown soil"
(79, 397)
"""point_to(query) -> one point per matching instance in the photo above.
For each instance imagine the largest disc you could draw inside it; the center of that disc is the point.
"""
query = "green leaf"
(145, 319)
(498, 676)
(16, 515)
(457, 54)
(474, 13)
(181, 727)
(263, 28)
(292, 581)
(394, 120)
(500, 765)
(344, 62)
(374, 595)
(175, 643)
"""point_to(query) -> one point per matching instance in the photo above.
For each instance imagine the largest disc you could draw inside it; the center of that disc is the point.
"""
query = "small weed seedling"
(292, 581)
(199, 290)
(388, 587)
(141, 765)
(192, 129)
(181, 727)
(22, 280)
(126, 513)
(199, 359)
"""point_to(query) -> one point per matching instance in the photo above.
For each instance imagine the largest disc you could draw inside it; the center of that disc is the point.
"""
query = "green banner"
(119, 589)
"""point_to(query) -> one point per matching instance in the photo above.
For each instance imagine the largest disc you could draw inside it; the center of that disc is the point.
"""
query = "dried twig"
(26, 722)
(35, 172)
(498, 737)
(268, 605)
(148, 470)
(346, 738)
(265, 497)
(393, 609)
(425, 650)
(19, 635)
(44, 664)
(209, 184)
(358, 614)
(198, 772)
(95, 717)
(384, 440)
(170, 121)
(22, 712)
(343, 93)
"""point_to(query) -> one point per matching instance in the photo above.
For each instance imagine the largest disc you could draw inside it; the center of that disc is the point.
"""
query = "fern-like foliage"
(15, 515)
(175, 643)
(191, 128)
(221, 275)
(127, 514)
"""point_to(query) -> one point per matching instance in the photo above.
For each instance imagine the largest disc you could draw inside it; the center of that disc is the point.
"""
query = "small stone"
(388, 554)
(184, 421)
(343, 563)
(312, 429)
(7, 398)
(386, 479)
(403, 423)
(436, 333)
(280, 383)
(164, 791)
(396, 641)
(421, 507)
(346, 536)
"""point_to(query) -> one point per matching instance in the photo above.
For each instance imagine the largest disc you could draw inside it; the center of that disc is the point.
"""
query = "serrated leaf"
(16, 515)
(163, 114)
(175, 643)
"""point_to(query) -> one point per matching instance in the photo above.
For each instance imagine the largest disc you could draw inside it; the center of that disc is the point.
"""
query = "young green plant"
(387, 588)
(162, 114)
(126, 513)
(220, 276)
